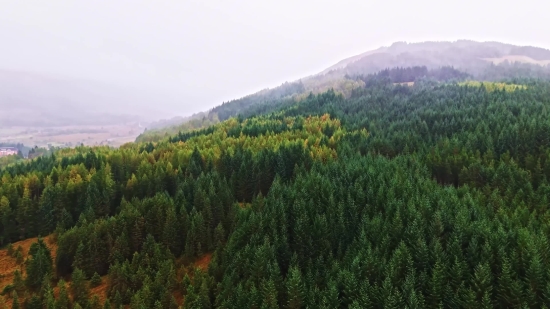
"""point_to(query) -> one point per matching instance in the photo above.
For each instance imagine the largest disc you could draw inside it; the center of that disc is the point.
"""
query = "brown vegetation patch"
(245, 205)
(101, 290)
(203, 262)
(8, 264)
(178, 295)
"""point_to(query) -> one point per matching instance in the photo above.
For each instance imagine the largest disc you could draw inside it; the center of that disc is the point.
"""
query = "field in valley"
(517, 58)
(70, 136)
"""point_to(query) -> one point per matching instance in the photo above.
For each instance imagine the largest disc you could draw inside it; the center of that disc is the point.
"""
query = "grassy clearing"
(492, 86)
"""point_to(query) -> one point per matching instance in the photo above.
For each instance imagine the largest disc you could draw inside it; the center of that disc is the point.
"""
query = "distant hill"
(30, 99)
(228, 109)
(470, 56)
(492, 61)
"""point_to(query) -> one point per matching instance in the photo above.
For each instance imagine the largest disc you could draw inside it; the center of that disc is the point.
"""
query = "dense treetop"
(433, 195)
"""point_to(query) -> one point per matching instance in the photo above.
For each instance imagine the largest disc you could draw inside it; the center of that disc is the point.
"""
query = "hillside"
(420, 188)
(9, 264)
(490, 61)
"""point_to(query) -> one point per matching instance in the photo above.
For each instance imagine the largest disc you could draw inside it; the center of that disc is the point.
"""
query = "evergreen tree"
(15, 301)
(39, 265)
(295, 289)
(62, 301)
(79, 287)
(96, 280)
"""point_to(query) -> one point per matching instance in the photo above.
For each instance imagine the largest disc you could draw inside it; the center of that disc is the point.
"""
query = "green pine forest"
(432, 195)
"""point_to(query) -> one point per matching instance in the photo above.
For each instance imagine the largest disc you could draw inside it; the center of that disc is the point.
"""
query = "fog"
(196, 54)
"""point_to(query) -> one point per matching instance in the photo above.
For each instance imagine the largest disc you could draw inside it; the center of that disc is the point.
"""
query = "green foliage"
(424, 196)
(39, 265)
(96, 280)
(492, 86)
(10, 250)
(79, 287)
(15, 301)
(18, 282)
(10, 160)
(8, 289)
(62, 301)
(34, 302)
(19, 256)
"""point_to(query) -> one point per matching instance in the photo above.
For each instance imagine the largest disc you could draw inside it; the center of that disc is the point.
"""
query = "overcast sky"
(205, 52)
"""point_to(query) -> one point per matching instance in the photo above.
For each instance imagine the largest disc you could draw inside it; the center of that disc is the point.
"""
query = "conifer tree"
(107, 304)
(33, 303)
(295, 289)
(39, 265)
(79, 287)
(96, 280)
(18, 283)
(63, 301)
(15, 301)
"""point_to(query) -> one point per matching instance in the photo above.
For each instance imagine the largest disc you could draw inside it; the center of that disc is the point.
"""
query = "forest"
(431, 195)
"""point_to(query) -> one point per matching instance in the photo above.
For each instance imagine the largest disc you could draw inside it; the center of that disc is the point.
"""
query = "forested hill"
(426, 195)
(486, 61)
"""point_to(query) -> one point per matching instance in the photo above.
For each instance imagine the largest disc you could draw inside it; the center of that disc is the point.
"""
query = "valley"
(71, 136)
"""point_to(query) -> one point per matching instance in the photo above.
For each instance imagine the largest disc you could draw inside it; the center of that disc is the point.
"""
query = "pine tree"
(204, 295)
(79, 287)
(48, 296)
(107, 304)
(39, 265)
(63, 301)
(15, 301)
(118, 301)
(269, 295)
(19, 257)
(482, 281)
(18, 283)
(506, 292)
(81, 258)
(96, 280)
(47, 223)
(95, 302)
(170, 233)
(34, 302)
(486, 301)
(295, 289)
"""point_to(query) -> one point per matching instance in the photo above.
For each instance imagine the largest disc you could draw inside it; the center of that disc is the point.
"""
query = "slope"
(430, 195)
(491, 61)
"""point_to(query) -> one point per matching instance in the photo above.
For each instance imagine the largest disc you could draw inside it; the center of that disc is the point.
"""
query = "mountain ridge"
(472, 57)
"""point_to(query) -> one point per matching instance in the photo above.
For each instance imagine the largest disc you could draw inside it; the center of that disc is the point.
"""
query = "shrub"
(8, 289)
(96, 280)
(11, 250)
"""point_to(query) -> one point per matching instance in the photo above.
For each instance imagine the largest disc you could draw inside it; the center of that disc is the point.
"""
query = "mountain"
(38, 100)
(491, 61)
(469, 56)
(423, 187)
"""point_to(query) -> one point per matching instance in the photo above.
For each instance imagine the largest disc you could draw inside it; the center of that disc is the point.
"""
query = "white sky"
(205, 52)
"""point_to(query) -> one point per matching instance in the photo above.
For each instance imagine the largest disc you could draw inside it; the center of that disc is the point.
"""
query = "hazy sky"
(204, 52)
